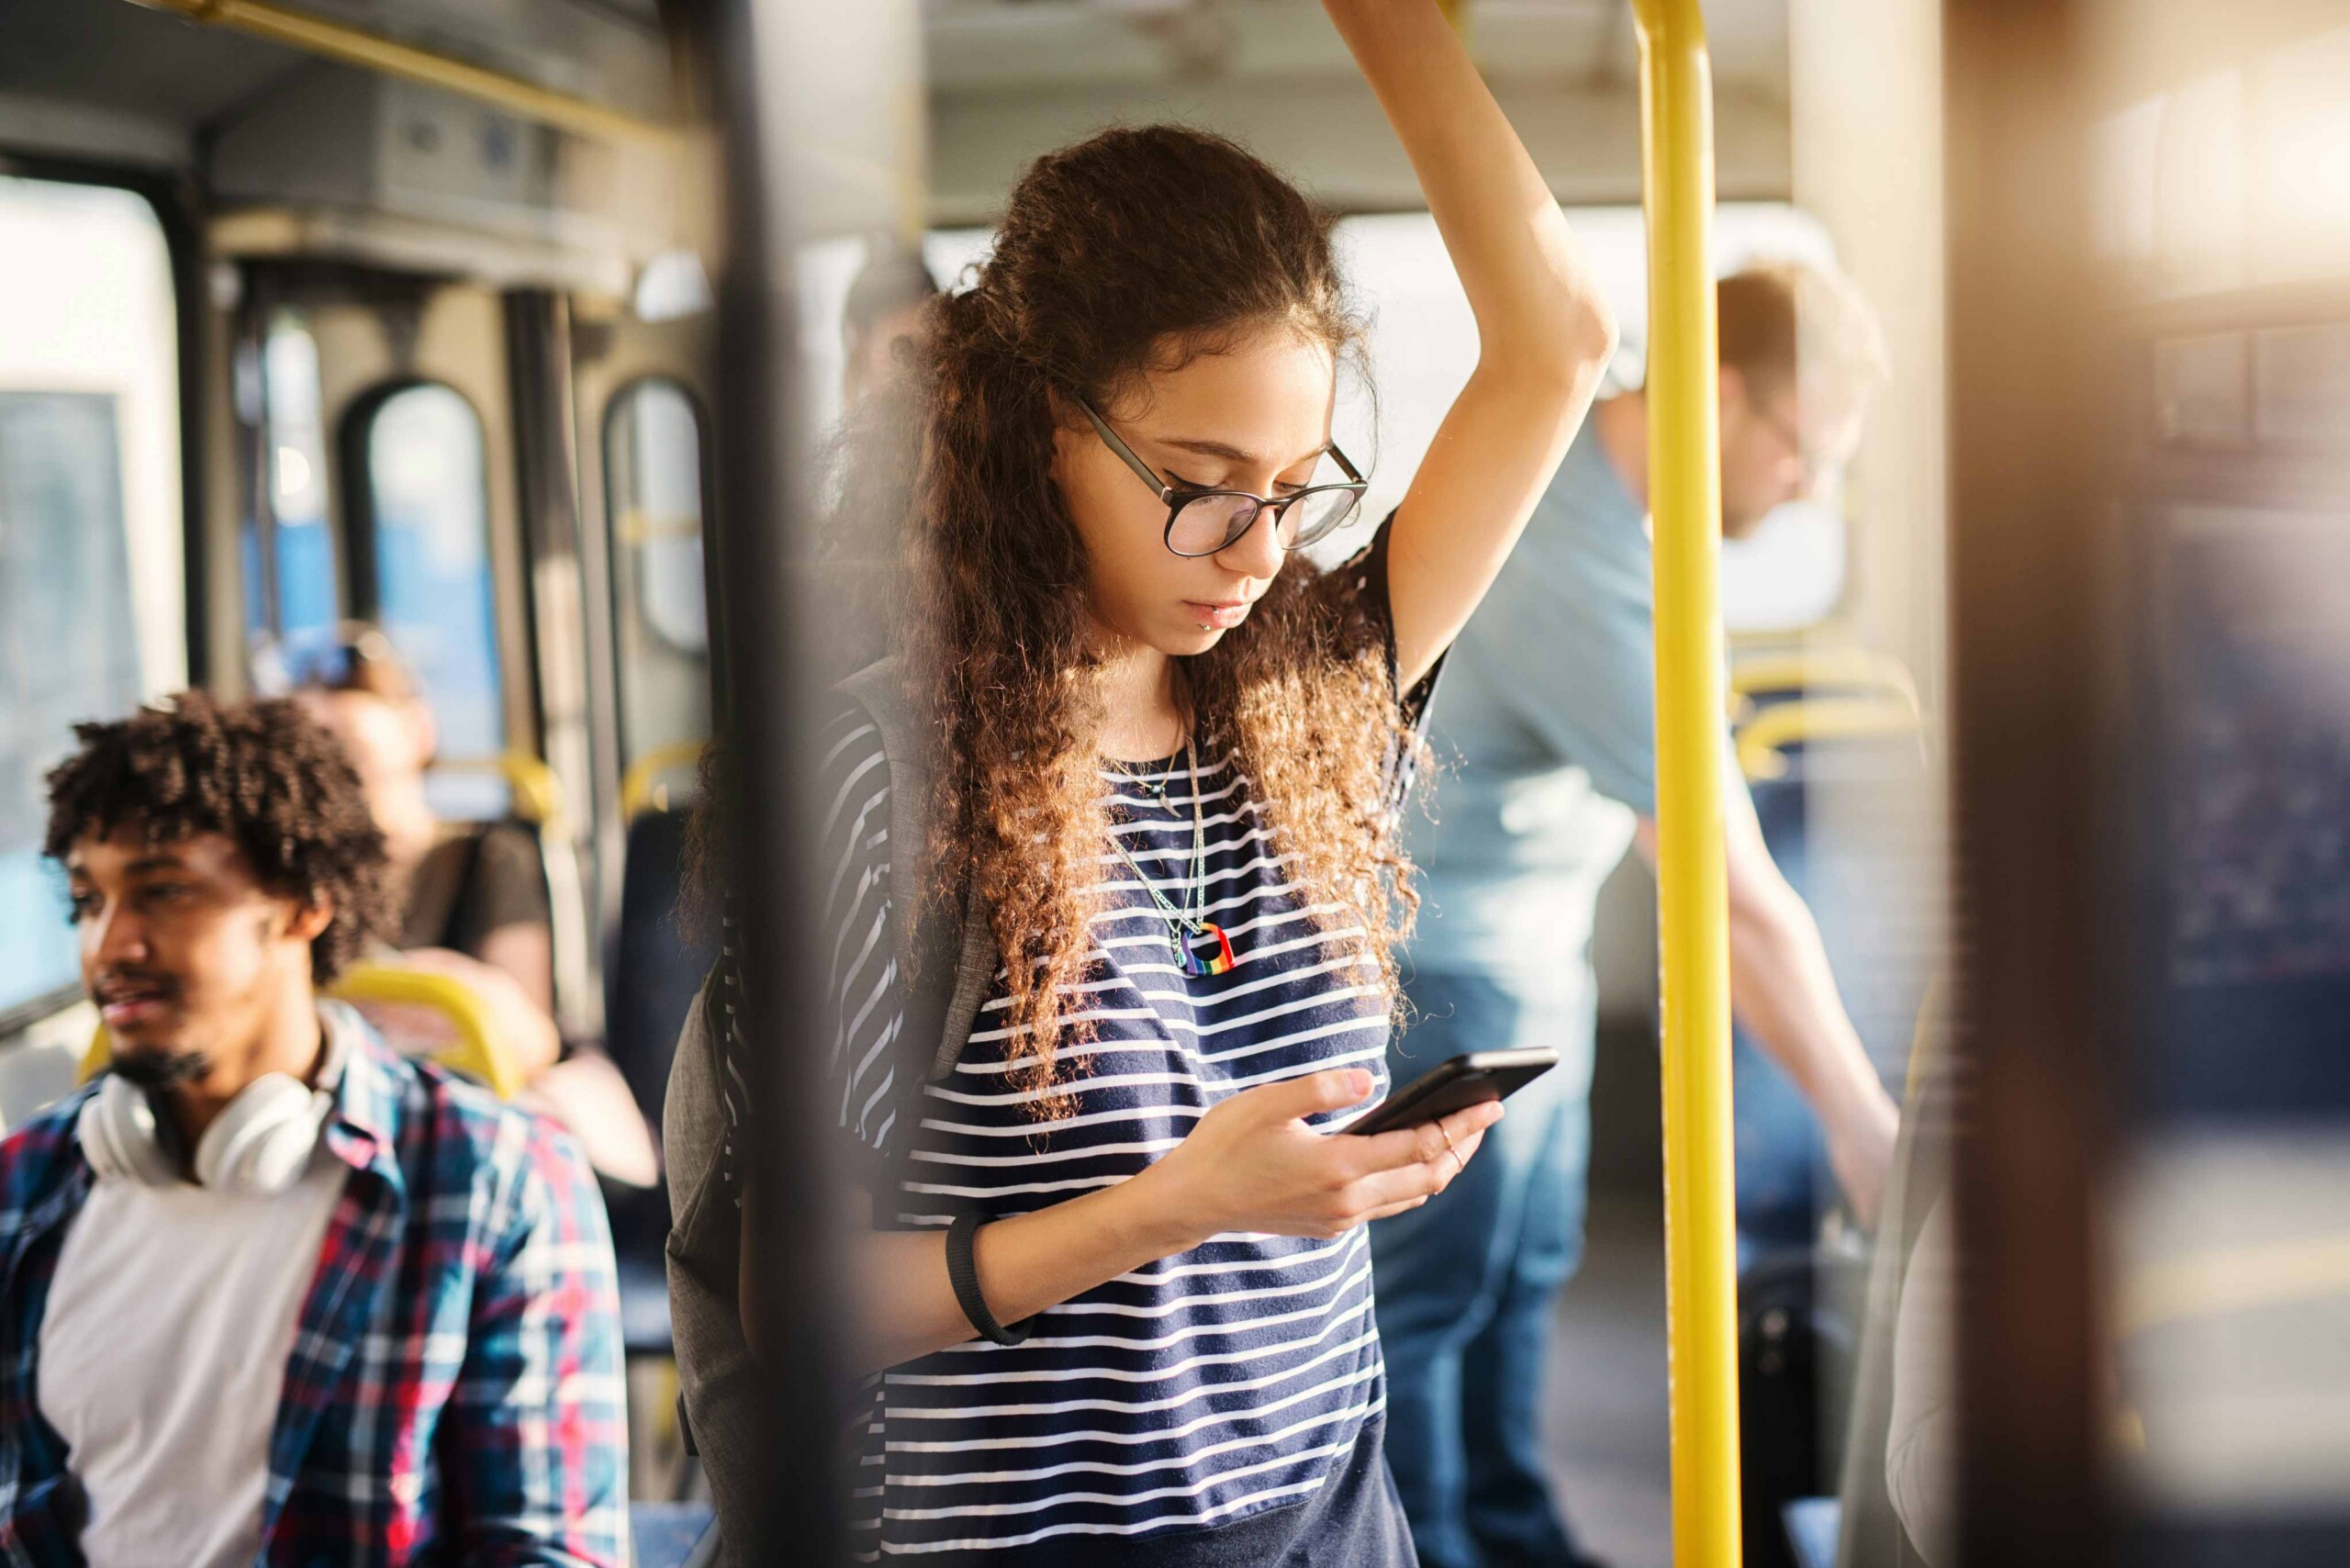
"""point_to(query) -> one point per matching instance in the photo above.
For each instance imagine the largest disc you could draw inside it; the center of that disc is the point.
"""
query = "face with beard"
(182, 950)
(1778, 446)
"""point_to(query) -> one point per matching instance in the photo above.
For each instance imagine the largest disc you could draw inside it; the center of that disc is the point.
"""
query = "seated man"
(471, 901)
(270, 1293)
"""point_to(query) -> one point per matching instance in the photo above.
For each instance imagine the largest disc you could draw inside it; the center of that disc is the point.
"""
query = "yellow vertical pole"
(1684, 494)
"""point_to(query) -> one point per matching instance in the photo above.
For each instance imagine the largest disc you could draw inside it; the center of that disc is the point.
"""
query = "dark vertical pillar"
(759, 523)
(2028, 580)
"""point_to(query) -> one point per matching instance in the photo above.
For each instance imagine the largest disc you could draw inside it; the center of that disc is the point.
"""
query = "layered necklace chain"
(1201, 946)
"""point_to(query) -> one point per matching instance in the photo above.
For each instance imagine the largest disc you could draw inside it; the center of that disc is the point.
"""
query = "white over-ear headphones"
(257, 1147)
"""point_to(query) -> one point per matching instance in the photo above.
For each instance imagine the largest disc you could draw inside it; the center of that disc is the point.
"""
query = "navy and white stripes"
(1204, 1388)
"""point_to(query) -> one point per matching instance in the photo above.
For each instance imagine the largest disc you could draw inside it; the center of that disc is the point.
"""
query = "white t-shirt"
(163, 1354)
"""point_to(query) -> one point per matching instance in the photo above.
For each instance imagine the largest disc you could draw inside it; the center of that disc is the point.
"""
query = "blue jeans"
(1465, 1284)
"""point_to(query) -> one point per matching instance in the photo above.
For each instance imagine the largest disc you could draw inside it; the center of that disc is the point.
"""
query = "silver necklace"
(1201, 948)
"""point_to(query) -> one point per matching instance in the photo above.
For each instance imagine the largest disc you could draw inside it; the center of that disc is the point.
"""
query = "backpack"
(954, 964)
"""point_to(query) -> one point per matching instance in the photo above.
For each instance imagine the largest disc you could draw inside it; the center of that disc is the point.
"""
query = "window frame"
(362, 581)
(616, 547)
(179, 216)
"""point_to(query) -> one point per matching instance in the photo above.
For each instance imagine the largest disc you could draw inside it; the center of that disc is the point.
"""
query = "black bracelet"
(964, 1275)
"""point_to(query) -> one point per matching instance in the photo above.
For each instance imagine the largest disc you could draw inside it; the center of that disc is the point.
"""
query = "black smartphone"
(1456, 1085)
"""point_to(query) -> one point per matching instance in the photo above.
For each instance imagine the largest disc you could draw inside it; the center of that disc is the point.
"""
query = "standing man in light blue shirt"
(1548, 712)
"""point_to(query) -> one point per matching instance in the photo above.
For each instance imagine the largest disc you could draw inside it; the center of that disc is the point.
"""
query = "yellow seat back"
(644, 786)
(535, 793)
(477, 1052)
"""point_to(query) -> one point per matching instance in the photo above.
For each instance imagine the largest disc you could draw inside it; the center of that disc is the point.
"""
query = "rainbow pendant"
(1204, 950)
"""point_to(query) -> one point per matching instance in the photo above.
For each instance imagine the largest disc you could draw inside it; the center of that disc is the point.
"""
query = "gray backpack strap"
(949, 956)
(718, 1378)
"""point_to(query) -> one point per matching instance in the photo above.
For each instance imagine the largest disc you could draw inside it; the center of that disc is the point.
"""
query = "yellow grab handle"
(477, 1052)
(537, 792)
(641, 786)
(1685, 492)
(1762, 740)
(1812, 669)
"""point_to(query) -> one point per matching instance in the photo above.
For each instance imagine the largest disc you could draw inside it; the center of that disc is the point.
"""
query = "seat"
(655, 967)
(644, 787)
(475, 1051)
(653, 971)
(1845, 719)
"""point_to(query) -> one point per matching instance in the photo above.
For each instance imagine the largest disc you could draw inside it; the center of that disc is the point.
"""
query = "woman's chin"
(1189, 642)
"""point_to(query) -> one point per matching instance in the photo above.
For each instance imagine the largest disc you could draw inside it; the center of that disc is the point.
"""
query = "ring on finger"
(1458, 1164)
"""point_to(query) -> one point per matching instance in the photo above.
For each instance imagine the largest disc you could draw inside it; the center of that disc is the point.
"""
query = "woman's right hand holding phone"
(1253, 1163)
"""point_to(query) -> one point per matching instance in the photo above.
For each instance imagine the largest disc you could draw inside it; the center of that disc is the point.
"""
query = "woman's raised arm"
(1544, 331)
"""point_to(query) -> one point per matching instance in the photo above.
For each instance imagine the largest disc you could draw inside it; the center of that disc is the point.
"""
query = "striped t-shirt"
(1206, 1388)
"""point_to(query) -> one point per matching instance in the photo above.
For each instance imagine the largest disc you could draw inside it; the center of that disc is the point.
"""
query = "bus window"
(652, 457)
(425, 484)
(307, 604)
(92, 584)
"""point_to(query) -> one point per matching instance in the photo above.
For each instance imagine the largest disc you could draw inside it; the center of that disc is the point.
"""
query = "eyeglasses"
(1203, 522)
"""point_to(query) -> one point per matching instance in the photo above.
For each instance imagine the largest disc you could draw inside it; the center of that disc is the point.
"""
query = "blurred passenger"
(271, 1292)
(477, 888)
(883, 318)
(1109, 1277)
(1548, 704)
(472, 898)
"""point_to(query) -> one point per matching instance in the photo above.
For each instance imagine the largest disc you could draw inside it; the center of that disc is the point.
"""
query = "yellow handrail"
(536, 793)
(1763, 740)
(1684, 491)
(348, 45)
(475, 1053)
(1812, 669)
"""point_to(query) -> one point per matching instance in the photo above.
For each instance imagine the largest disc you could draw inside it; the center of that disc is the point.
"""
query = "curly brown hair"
(1132, 252)
(262, 774)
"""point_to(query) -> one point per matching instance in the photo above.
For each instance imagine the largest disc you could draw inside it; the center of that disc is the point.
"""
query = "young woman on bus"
(1168, 757)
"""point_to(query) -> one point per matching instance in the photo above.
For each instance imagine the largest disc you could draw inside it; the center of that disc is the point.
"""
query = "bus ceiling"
(552, 124)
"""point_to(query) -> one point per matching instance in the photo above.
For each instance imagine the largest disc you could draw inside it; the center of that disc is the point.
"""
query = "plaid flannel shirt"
(454, 1392)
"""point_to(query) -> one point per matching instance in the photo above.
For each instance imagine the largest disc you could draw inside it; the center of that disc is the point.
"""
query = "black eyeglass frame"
(1176, 498)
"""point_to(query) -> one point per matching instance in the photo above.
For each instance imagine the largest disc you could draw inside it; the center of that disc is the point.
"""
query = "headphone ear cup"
(117, 1130)
(261, 1141)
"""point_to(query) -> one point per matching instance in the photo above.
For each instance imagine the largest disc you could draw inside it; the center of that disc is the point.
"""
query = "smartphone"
(1456, 1085)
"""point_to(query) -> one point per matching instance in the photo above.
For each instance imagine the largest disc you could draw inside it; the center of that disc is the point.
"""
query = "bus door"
(642, 372)
(408, 471)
